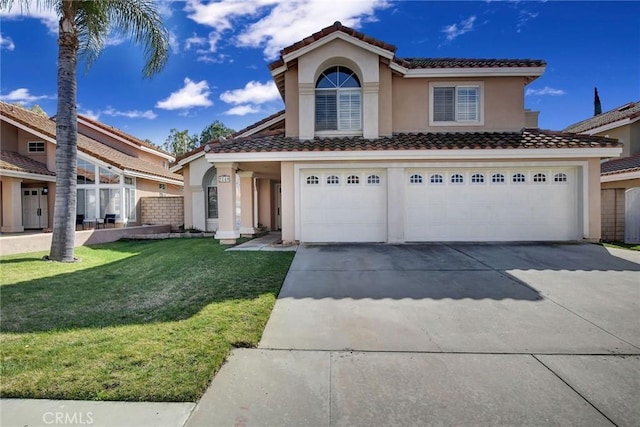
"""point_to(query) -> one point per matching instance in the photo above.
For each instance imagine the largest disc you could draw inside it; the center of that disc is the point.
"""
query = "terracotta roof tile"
(278, 125)
(627, 111)
(85, 144)
(276, 141)
(414, 63)
(12, 161)
(622, 165)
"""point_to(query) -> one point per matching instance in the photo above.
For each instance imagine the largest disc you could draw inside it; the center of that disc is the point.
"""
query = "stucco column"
(246, 204)
(265, 207)
(370, 110)
(227, 230)
(288, 202)
(307, 113)
(593, 186)
(395, 205)
(11, 205)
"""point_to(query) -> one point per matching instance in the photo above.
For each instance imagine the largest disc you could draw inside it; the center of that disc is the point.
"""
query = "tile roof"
(122, 134)
(337, 26)
(276, 141)
(622, 165)
(12, 161)
(415, 63)
(411, 63)
(87, 145)
(630, 110)
(278, 125)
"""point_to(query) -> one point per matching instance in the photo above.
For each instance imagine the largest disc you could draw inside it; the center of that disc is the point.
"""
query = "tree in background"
(214, 131)
(180, 142)
(84, 27)
(38, 110)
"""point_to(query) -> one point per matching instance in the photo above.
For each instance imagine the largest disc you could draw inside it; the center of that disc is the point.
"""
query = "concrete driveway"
(442, 334)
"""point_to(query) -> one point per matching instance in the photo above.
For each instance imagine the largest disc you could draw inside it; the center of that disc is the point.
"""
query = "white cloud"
(218, 58)
(6, 43)
(132, 114)
(191, 95)
(525, 16)
(174, 44)
(242, 110)
(253, 92)
(22, 95)
(93, 115)
(194, 41)
(46, 15)
(164, 7)
(280, 22)
(455, 30)
(545, 91)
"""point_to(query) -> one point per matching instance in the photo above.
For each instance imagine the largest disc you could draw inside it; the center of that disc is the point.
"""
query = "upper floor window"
(338, 100)
(460, 104)
(35, 146)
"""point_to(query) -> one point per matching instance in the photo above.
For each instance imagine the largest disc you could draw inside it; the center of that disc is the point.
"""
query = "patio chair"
(109, 219)
(80, 221)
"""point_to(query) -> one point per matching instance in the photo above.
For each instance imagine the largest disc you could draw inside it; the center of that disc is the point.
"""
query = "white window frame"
(560, 178)
(313, 180)
(513, 178)
(333, 179)
(416, 179)
(353, 179)
(502, 175)
(340, 91)
(456, 175)
(539, 178)
(457, 84)
(436, 179)
(374, 179)
(38, 144)
(478, 175)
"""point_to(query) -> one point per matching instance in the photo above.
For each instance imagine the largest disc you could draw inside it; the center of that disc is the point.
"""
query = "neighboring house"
(114, 171)
(620, 178)
(376, 148)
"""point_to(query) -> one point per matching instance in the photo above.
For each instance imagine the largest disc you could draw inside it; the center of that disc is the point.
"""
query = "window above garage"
(456, 104)
(338, 101)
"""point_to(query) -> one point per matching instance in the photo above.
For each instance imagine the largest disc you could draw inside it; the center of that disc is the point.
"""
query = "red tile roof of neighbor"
(630, 110)
(12, 161)
(276, 141)
(622, 165)
(411, 63)
(86, 145)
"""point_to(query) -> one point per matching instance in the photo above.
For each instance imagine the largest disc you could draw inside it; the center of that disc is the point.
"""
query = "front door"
(34, 208)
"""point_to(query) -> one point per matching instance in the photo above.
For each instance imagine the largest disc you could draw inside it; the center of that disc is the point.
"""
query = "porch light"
(45, 191)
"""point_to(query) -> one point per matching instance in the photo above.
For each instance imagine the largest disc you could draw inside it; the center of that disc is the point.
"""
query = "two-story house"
(620, 177)
(114, 171)
(376, 148)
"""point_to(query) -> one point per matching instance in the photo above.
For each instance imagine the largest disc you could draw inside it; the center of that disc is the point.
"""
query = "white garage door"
(491, 204)
(343, 205)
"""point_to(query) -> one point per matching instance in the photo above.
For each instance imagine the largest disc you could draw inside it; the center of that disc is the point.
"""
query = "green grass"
(134, 320)
(621, 245)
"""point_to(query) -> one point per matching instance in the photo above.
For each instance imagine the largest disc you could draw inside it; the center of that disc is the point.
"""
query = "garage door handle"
(39, 212)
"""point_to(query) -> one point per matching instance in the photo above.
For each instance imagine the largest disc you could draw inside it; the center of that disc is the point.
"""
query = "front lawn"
(135, 320)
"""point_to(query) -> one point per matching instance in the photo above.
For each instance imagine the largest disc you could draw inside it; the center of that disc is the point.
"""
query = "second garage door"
(513, 204)
(343, 205)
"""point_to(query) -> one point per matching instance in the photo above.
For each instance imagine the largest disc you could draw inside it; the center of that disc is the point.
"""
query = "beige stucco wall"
(385, 101)
(503, 99)
(292, 128)
(288, 216)
(120, 146)
(594, 206)
(8, 137)
(629, 135)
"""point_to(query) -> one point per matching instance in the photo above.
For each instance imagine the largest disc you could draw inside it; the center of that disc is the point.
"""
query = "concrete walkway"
(382, 335)
(269, 242)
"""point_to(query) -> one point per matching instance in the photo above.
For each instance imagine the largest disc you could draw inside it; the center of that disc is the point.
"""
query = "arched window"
(373, 179)
(436, 179)
(497, 178)
(457, 178)
(338, 100)
(353, 179)
(333, 180)
(313, 180)
(560, 177)
(211, 193)
(477, 178)
(540, 177)
(518, 177)
(415, 179)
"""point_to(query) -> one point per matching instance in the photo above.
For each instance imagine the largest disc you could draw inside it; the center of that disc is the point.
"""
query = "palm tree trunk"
(66, 138)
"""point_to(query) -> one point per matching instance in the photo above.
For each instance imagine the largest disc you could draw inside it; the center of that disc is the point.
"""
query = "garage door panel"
(344, 212)
(489, 211)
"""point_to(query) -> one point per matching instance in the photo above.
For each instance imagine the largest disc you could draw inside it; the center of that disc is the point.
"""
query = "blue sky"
(220, 51)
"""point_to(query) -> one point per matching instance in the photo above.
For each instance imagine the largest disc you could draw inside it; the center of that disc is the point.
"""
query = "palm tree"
(84, 27)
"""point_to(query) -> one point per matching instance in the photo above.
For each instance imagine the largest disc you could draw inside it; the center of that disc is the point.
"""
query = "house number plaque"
(224, 178)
